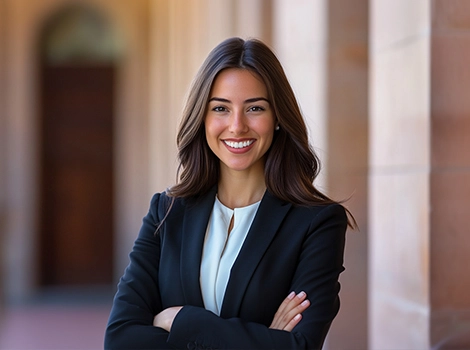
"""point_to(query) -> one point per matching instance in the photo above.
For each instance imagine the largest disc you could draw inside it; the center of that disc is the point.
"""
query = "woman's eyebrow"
(256, 99)
(219, 99)
(250, 100)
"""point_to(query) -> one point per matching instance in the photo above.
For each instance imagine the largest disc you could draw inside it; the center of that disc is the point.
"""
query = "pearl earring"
(277, 128)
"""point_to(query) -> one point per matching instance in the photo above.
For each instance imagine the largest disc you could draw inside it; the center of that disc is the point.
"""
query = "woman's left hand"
(289, 313)
(165, 318)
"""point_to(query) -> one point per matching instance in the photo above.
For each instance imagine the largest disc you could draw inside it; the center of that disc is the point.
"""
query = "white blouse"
(220, 250)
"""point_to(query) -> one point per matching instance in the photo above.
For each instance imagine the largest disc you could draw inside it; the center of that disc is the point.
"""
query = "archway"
(78, 54)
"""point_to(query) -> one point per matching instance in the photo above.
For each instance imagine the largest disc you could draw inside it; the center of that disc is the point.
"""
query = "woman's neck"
(238, 189)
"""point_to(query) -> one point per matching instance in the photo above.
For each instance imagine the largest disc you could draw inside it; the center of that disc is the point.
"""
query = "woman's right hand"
(289, 313)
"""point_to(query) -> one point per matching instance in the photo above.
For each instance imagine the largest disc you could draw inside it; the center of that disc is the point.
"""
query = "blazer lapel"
(195, 222)
(269, 217)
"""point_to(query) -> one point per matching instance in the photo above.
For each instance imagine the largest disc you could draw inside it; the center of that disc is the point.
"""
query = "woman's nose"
(238, 123)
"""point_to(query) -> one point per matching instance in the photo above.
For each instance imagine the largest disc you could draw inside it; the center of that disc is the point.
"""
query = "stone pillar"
(419, 174)
(347, 131)
(131, 175)
(18, 248)
(177, 49)
(299, 39)
(255, 22)
(162, 138)
(399, 158)
(450, 175)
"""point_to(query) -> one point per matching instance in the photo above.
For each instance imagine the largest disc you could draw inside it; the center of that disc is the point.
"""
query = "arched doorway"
(78, 54)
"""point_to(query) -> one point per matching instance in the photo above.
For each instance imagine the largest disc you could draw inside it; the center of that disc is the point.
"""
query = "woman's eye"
(256, 109)
(219, 109)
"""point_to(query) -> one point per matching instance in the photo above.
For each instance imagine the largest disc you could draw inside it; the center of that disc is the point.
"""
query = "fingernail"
(291, 295)
(305, 302)
(296, 317)
(301, 295)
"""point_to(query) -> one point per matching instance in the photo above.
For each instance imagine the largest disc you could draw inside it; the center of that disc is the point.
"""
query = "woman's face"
(239, 122)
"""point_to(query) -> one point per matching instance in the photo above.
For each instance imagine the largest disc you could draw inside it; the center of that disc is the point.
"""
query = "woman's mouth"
(240, 144)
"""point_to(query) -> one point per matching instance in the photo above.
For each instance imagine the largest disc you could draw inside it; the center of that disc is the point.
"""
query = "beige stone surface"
(450, 177)
(451, 143)
(350, 328)
(450, 74)
(393, 23)
(451, 14)
(399, 248)
(450, 329)
(397, 323)
(450, 101)
(450, 241)
(399, 160)
(399, 260)
(300, 40)
(347, 162)
(399, 107)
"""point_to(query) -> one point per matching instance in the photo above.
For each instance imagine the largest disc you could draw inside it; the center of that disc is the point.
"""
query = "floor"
(57, 320)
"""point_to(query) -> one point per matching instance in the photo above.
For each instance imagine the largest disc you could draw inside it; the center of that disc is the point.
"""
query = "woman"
(227, 257)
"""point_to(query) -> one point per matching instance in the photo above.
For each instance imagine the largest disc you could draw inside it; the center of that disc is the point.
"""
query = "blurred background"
(90, 98)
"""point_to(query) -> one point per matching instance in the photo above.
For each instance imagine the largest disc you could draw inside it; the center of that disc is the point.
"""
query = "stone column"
(399, 152)
(450, 175)
(255, 22)
(181, 35)
(299, 38)
(18, 248)
(419, 177)
(347, 130)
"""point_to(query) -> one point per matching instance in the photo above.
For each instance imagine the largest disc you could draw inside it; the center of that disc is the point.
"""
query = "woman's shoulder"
(161, 202)
(320, 213)
(168, 206)
(323, 208)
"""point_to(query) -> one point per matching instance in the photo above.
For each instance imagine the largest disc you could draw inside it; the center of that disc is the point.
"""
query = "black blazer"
(288, 248)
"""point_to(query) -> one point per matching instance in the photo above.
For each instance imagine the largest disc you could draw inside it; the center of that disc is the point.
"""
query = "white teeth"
(242, 144)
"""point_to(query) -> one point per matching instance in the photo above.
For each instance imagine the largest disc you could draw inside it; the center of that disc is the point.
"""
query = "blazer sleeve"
(137, 301)
(319, 265)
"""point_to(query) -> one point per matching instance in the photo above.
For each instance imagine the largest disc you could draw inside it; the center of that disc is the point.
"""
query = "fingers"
(294, 316)
(290, 311)
(285, 303)
(290, 326)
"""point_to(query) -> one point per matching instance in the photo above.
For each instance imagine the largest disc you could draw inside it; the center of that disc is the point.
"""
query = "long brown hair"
(291, 164)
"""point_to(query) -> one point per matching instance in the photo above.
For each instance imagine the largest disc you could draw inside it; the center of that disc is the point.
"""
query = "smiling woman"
(239, 126)
(244, 252)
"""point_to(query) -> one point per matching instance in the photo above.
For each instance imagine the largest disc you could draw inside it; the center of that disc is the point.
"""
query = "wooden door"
(76, 205)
